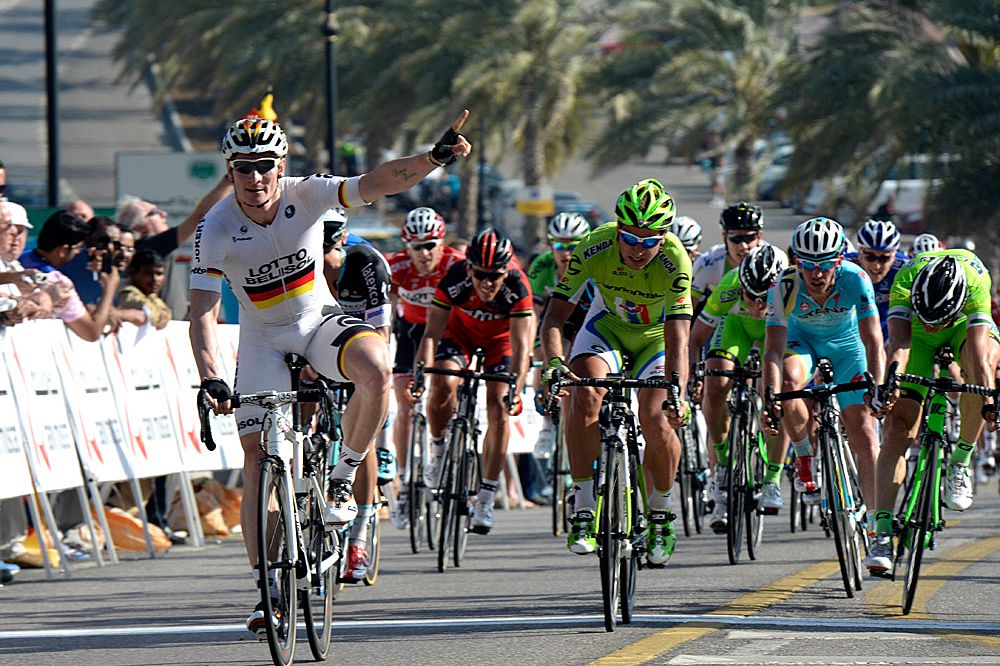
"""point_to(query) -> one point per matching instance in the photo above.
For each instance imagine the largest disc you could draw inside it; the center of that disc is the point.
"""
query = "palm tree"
(692, 65)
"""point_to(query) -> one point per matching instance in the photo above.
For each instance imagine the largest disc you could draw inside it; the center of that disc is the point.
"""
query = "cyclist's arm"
(522, 335)
(700, 333)
(204, 317)
(977, 338)
(871, 337)
(675, 341)
(437, 323)
(775, 339)
(558, 312)
(899, 343)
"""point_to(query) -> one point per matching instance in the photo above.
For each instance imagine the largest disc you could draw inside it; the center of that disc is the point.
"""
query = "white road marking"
(461, 623)
(764, 634)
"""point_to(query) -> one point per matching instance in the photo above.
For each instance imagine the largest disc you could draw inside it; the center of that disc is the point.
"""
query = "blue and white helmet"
(818, 239)
(880, 235)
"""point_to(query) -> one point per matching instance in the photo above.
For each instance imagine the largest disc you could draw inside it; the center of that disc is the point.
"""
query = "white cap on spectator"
(18, 215)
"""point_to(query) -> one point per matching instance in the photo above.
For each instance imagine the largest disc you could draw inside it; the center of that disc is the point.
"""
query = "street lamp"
(330, 33)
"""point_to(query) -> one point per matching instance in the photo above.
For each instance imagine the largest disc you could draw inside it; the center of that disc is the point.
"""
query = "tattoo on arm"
(406, 175)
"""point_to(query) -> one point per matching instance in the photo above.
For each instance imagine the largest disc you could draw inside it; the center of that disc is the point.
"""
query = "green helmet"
(646, 204)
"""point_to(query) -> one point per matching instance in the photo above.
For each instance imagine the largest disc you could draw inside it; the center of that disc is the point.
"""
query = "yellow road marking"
(887, 596)
(992, 642)
(749, 604)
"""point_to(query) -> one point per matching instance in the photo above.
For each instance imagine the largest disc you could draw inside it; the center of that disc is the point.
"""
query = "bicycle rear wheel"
(736, 496)
(275, 554)
(446, 502)
(317, 599)
(918, 528)
(833, 495)
(560, 483)
(609, 542)
(469, 488)
(374, 541)
(416, 505)
(630, 560)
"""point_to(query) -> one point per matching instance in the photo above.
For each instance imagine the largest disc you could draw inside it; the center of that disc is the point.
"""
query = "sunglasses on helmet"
(632, 240)
(877, 258)
(261, 166)
(825, 265)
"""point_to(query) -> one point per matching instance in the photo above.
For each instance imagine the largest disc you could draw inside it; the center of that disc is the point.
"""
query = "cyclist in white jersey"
(266, 241)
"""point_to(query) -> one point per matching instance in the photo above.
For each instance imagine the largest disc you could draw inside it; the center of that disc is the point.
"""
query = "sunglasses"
(487, 275)
(745, 238)
(564, 247)
(633, 240)
(824, 265)
(428, 245)
(261, 166)
(877, 258)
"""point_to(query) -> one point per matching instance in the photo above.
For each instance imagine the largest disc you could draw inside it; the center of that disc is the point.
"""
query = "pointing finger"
(457, 125)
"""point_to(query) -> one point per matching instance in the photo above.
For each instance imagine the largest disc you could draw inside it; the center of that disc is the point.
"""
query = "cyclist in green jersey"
(939, 298)
(642, 310)
(565, 231)
(733, 318)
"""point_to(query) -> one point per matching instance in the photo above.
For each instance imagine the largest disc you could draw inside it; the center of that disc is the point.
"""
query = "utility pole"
(480, 191)
(52, 101)
(330, 33)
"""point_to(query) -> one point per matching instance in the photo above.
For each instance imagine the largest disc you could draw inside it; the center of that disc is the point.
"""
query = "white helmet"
(423, 224)
(567, 226)
(817, 239)
(760, 268)
(880, 235)
(253, 136)
(925, 243)
(688, 231)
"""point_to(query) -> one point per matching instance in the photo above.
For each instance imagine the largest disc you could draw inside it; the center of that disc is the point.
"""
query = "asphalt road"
(522, 598)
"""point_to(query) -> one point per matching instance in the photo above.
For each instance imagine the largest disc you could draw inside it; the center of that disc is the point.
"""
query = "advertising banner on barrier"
(100, 437)
(135, 368)
(41, 404)
(15, 478)
(229, 454)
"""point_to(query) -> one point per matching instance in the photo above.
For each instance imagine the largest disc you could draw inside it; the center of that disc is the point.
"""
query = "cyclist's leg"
(800, 358)
(850, 364)
(724, 352)
(496, 438)
(407, 339)
(364, 493)
(451, 354)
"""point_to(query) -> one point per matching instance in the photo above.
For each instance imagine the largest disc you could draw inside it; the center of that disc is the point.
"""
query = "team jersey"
(414, 290)
(362, 286)
(641, 297)
(467, 311)
(711, 266)
(727, 301)
(883, 287)
(851, 300)
(275, 271)
(976, 311)
(543, 275)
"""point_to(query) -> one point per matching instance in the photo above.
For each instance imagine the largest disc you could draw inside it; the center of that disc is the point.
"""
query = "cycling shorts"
(458, 346)
(408, 336)
(847, 357)
(604, 335)
(323, 340)
(923, 347)
(734, 337)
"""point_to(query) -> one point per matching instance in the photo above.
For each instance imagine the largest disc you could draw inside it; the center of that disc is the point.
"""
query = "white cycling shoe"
(958, 487)
(771, 497)
(482, 517)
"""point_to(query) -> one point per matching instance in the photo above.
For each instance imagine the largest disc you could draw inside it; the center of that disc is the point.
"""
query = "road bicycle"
(562, 481)
(919, 515)
(461, 469)
(692, 473)
(747, 456)
(619, 488)
(422, 507)
(842, 507)
(296, 548)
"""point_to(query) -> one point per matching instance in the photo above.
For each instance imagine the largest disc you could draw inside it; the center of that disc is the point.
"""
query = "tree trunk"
(466, 223)
(533, 166)
(743, 169)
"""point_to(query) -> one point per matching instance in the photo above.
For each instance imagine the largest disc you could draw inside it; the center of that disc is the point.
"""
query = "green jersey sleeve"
(725, 299)
(542, 276)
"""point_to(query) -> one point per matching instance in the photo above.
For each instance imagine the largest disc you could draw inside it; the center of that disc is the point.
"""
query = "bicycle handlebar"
(822, 391)
(558, 384)
(738, 373)
(261, 398)
(946, 385)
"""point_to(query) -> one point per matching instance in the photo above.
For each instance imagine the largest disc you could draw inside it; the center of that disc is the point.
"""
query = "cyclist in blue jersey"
(879, 254)
(822, 307)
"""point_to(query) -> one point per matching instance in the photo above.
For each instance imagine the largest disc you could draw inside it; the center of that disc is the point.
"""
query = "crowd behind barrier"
(78, 415)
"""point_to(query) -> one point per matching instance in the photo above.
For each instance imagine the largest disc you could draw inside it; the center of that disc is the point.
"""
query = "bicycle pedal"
(767, 511)
(479, 529)
(655, 566)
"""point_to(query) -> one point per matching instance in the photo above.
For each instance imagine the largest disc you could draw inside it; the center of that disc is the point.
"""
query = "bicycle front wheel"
(610, 529)
(755, 484)
(560, 483)
(317, 598)
(446, 502)
(416, 508)
(630, 559)
(737, 492)
(374, 542)
(833, 494)
(468, 489)
(918, 527)
(276, 553)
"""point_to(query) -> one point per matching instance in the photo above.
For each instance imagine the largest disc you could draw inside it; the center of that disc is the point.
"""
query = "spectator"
(15, 282)
(146, 272)
(59, 241)
(80, 208)
(887, 211)
(3, 179)
(82, 270)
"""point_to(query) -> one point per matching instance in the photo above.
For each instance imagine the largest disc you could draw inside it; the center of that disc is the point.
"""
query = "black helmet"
(939, 291)
(489, 249)
(759, 269)
(742, 215)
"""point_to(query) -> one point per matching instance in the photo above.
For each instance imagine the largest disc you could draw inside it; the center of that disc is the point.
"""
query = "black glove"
(441, 153)
(217, 388)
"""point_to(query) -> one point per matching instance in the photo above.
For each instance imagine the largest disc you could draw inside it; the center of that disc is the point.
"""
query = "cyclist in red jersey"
(484, 301)
(416, 271)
